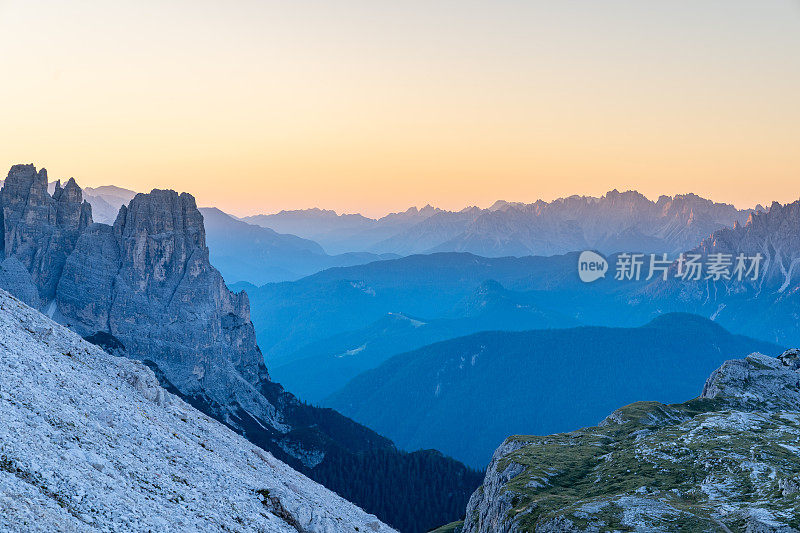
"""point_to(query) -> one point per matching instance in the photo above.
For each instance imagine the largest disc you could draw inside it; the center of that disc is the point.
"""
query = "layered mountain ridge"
(615, 222)
(259, 255)
(465, 395)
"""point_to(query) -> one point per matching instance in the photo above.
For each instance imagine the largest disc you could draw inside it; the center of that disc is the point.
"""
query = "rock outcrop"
(758, 381)
(726, 461)
(145, 288)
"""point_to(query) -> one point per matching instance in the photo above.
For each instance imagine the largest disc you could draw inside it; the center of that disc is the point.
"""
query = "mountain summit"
(39, 230)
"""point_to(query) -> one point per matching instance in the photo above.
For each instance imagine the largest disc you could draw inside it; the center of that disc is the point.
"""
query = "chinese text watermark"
(688, 266)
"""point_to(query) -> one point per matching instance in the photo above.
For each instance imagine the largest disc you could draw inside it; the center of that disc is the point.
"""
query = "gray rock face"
(489, 505)
(772, 233)
(772, 383)
(40, 230)
(16, 279)
(145, 283)
(148, 282)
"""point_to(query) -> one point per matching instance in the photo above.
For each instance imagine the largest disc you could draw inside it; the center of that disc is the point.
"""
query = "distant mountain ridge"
(259, 255)
(342, 233)
(106, 201)
(465, 395)
(242, 252)
(315, 371)
(614, 222)
(291, 315)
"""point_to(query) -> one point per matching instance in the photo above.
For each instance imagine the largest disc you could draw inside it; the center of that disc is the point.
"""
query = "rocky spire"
(40, 230)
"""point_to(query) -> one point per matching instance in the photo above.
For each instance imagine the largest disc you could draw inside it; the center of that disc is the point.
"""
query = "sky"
(372, 106)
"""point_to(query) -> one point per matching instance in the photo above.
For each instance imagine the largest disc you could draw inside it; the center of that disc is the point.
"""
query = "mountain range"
(463, 396)
(291, 316)
(615, 222)
(342, 233)
(242, 252)
(430, 287)
(768, 306)
(145, 288)
(340, 324)
(321, 368)
(298, 243)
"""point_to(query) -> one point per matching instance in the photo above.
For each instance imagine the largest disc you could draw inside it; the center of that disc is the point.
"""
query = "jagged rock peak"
(26, 173)
(154, 260)
(40, 230)
(162, 211)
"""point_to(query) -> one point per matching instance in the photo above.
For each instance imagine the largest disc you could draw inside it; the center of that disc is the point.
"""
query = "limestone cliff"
(147, 281)
(144, 287)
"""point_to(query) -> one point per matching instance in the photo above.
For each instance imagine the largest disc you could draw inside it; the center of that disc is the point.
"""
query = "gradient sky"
(373, 106)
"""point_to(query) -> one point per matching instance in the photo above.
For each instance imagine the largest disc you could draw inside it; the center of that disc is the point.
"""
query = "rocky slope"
(145, 288)
(91, 442)
(726, 461)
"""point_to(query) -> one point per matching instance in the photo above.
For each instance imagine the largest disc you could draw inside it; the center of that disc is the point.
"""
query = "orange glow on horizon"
(361, 107)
